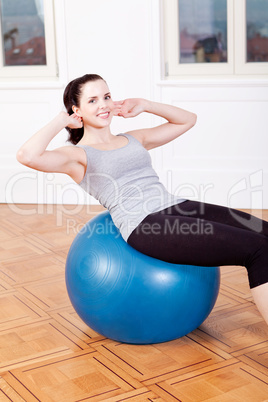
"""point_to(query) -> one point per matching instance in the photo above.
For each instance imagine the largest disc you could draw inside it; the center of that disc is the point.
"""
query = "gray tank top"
(124, 181)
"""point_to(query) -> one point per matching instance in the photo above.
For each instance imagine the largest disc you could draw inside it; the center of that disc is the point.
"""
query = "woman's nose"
(102, 104)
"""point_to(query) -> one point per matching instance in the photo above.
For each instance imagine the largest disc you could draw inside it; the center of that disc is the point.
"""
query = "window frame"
(48, 71)
(236, 46)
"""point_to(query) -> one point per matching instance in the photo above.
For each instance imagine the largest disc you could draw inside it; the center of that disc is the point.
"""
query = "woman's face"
(96, 105)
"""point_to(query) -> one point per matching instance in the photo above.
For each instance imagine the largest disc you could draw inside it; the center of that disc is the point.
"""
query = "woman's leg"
(220, 214)
(260, 296)
(193, 241)
(236, 218)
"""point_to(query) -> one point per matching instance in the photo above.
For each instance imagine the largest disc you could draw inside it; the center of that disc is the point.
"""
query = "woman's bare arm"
(62, 160)
(179, 121)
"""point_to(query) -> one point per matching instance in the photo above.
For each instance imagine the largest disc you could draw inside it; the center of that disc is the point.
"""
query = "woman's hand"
(73, 121)
(129, 107)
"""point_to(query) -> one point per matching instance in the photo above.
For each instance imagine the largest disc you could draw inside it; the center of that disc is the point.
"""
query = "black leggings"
(196, 233)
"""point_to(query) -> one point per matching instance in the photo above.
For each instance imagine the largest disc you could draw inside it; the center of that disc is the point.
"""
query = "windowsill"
(220, 81)
(32, 84)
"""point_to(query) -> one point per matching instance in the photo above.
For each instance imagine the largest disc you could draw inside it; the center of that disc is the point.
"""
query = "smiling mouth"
(104, 115)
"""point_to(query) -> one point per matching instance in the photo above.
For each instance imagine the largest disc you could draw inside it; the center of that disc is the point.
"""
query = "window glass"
(257, 30)
(23, 33)
(202, 31)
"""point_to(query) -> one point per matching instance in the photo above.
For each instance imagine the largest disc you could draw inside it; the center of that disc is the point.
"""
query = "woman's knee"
(257, 264)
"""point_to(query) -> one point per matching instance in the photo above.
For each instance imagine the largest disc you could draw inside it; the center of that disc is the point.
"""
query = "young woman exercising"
(117, 170)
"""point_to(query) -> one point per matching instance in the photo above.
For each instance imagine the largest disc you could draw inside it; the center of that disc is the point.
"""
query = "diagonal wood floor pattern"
(48, 354)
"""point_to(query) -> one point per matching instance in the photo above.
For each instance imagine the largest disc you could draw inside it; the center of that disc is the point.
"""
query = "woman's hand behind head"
(129, 107)
(74, 121)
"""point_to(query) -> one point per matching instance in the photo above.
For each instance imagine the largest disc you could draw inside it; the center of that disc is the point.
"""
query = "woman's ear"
(75, 109)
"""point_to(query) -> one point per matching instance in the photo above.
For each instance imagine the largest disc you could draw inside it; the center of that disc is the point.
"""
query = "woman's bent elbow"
(23, 158)
(194, 119)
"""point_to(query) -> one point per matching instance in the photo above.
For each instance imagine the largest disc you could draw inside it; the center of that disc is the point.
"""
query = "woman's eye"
(108, 97)
(92, 101)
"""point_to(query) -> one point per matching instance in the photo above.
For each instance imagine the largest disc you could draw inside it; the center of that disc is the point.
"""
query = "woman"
(117, 171)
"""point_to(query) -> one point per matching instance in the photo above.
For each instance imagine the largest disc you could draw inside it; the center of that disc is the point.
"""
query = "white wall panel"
(227, 149)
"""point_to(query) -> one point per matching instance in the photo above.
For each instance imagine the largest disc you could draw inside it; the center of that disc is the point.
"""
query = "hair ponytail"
(71, 97)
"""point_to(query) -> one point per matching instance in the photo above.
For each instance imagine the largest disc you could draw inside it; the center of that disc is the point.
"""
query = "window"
(27, 46)
(202, 32)
(251, 41)
(212, 37)
(257, 31)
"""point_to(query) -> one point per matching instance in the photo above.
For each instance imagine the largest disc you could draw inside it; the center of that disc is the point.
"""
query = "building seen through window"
(257, 30)
(202, 31)
(23, 32)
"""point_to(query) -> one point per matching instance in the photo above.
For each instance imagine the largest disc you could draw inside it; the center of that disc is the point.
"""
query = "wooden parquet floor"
(48, 354)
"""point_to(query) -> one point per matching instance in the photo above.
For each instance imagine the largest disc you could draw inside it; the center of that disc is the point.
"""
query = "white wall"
(223, 159)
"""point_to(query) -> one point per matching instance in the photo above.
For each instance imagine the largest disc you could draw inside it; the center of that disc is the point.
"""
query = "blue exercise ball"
(130, 297)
